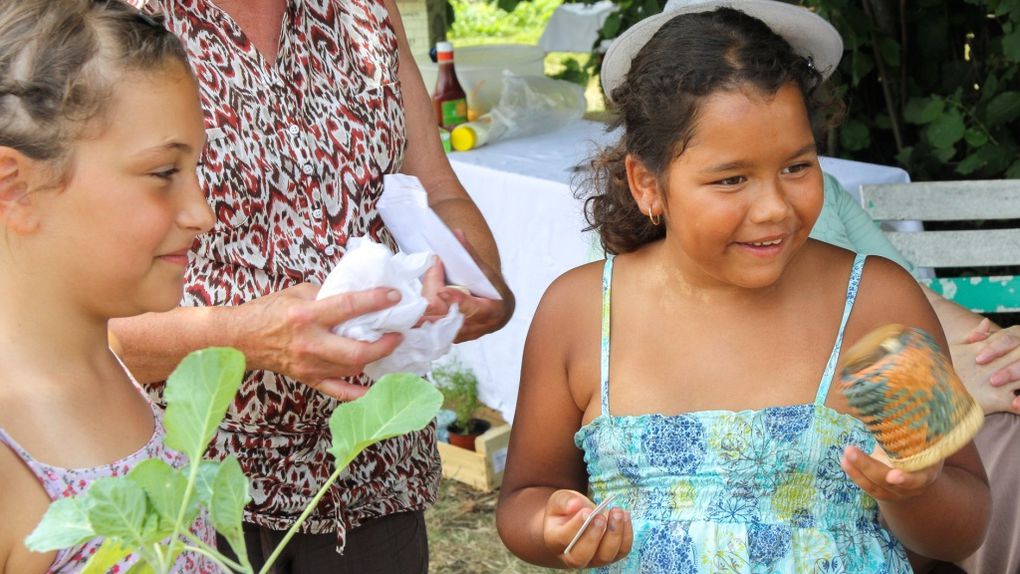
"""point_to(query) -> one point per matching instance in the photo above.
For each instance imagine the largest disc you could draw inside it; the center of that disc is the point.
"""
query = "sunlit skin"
(108, 240)
(727, 190)
(734, 309)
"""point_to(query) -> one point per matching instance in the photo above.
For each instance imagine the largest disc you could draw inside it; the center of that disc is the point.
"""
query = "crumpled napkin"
(367, 265)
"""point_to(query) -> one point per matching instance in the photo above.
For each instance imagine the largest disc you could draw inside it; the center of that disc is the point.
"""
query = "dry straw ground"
(462, 535)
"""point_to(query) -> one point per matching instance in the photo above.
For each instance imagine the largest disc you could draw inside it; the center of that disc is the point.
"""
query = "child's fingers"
(866, 472)
(628, 536)
(584, 551)
(609, 547)
(564, 503)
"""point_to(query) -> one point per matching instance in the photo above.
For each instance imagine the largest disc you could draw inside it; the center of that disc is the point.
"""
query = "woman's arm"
(426, 160)
(287, 332)
(542, 502)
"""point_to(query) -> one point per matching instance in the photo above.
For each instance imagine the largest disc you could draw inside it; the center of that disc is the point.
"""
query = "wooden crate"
(482, 469)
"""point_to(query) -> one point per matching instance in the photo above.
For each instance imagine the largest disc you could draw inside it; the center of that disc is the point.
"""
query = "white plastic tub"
(480, 71)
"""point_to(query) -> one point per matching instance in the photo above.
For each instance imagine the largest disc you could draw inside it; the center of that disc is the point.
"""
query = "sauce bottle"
(448, 99)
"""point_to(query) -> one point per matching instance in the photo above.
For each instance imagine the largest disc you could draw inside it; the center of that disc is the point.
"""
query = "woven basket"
(899, 383)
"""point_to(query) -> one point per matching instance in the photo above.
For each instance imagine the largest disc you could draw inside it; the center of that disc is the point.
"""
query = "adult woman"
(306, 109)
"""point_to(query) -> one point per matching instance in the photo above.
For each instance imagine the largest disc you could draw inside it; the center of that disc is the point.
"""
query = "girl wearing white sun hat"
(686, 412)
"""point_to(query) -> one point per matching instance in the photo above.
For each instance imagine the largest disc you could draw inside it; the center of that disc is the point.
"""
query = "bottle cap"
(463, 138)
(444, 47)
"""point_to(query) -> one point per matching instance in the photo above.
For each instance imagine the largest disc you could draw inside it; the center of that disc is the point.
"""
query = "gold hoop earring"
(655, 219)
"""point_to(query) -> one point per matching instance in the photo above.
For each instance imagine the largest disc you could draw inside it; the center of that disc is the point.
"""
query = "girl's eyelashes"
(730, 181)
(797, 168)
(166, 173)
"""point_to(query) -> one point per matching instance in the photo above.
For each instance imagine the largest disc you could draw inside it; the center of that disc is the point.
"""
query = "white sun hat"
(809, 34)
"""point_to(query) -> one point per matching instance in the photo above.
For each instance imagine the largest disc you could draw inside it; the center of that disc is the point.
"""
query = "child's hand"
(607, 539)
(876, 477)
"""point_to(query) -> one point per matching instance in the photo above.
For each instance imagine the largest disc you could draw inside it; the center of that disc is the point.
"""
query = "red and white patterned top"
(293, 169)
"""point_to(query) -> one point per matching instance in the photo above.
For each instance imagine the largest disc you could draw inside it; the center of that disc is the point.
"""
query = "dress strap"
(851, 297)
(607, 283)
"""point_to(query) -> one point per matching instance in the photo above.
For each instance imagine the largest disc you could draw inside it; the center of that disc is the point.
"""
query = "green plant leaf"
(396, 404)
(946, 130)
(611, 27)
(110, 552)
(855, 135)
(65, 524)
(1014, 170)
(932, 110)
(118, 508)
(164, 487)
(1003, 108)
(975, 137)
(890, 50)
(229, 496)
(970, 164)
(141, 567)
(944, 154)
(1011, 45)
(207, 471)
(198, 393)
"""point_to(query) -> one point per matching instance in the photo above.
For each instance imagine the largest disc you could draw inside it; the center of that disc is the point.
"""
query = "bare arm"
(542, 502)
(426, 160)
(286, 332)
(941, 511)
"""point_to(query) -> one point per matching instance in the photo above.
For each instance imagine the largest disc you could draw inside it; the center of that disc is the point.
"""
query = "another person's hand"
(877, 477)
(289, 333)
(481, 316)
(988, 362)
(607, 539)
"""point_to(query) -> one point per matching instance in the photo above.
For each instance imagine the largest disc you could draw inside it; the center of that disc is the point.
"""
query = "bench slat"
(943, 200)
(968, 248)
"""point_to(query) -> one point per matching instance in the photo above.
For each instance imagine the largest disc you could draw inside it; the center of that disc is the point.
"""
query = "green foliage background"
(933, 85)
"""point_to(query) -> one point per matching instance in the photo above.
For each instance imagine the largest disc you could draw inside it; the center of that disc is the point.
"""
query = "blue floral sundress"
(753, 491)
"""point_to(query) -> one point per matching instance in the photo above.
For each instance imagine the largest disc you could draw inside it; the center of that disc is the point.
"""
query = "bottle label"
(454, 112)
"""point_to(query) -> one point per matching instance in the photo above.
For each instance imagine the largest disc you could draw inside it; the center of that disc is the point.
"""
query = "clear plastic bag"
(528, 105)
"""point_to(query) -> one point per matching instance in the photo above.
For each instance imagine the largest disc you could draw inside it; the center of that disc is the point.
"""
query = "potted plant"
(460, 393)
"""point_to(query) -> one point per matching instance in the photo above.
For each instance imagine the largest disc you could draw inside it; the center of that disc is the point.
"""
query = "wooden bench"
(956, 201)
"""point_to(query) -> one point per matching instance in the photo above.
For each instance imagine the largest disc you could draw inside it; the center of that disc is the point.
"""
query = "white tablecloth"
(523, 189)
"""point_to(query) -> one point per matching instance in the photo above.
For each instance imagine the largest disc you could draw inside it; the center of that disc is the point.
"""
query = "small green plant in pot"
(460, 393)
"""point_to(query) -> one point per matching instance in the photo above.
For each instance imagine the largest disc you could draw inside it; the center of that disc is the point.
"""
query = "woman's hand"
(988, 362)
(607, 539)
(290, 333)
(481, 316)
(876, 477)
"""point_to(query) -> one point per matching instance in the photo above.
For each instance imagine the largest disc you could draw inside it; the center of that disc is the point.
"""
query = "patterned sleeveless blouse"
(293, 168)
(753, 491)
(61, 482)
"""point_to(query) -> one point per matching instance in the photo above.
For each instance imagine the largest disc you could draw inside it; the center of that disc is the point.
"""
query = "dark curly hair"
(688, 59)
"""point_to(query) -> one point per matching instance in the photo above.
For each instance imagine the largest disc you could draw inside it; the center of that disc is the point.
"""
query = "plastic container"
(528, 105)
(471, 134)
(480, 71)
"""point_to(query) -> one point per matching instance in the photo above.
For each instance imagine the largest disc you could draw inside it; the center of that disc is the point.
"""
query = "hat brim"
(809, 34)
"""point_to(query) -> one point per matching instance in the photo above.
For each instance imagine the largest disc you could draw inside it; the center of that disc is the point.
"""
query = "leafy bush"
(933, 84)
(481, 21)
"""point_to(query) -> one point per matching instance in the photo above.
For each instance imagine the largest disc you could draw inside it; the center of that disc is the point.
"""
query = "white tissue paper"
(404, 208)
(367, 265)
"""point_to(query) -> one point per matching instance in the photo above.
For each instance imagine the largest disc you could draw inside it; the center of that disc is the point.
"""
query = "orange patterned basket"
(899, 383)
